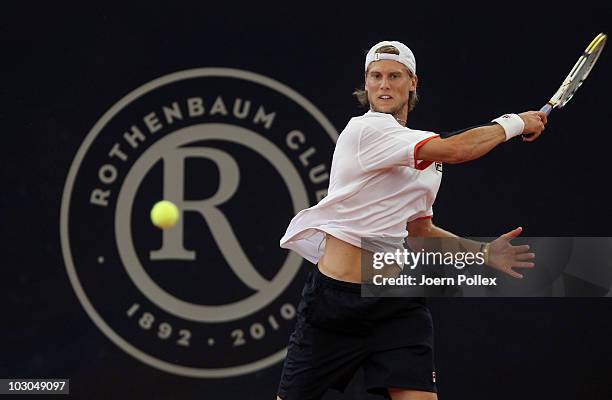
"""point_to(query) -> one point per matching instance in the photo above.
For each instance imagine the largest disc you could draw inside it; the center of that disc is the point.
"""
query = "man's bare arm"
(476, 142)
(503, 256)
(423, 228)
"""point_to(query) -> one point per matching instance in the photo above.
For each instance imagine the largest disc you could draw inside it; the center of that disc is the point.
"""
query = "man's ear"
(415, 82)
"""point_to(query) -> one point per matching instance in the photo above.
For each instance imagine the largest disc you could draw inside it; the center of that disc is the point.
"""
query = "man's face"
(388, 83)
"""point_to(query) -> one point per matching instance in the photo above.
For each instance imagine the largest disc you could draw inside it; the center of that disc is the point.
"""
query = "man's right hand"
(534, 124)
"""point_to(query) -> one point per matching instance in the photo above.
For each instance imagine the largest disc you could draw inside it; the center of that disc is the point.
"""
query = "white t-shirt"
(376, 186)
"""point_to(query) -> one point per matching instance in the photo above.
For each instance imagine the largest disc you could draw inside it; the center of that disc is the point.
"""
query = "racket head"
(579, 72)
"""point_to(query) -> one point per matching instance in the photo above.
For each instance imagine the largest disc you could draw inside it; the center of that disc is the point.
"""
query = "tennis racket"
(577, 75)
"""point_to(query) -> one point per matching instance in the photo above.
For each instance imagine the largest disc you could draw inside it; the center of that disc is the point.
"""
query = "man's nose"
(384, 83)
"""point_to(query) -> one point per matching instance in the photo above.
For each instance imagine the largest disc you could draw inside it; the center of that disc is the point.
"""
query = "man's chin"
(384, 109)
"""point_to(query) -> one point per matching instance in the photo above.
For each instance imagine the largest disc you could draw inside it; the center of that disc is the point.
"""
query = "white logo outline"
(67, 193)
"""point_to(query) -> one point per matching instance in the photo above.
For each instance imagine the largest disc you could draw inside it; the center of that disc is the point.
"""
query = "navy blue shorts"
(337, 331)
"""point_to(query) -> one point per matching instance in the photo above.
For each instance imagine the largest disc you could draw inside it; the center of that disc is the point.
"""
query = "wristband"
(513, 125)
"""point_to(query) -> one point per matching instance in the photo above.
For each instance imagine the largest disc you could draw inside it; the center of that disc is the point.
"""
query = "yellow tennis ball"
(164, 214)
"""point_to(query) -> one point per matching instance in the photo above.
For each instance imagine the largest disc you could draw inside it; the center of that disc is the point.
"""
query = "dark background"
(64, 66)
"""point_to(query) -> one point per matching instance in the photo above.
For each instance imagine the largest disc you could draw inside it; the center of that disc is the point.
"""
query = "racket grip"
(546, 109)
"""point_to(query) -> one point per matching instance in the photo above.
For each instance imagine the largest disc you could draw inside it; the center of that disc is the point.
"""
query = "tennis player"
(384, 180)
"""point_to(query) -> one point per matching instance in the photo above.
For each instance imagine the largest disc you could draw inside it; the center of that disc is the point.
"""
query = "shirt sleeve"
(422, 215)
(391, 145)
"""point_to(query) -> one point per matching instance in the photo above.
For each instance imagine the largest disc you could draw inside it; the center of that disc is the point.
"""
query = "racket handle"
(546, 109)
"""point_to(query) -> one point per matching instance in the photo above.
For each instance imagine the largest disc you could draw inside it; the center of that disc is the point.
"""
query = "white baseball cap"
(405, 56)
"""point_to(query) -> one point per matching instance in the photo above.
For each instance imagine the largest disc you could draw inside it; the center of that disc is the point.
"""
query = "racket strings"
(581, 70)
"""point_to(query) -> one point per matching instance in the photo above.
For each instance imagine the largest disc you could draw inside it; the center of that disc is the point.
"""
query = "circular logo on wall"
(239, 154)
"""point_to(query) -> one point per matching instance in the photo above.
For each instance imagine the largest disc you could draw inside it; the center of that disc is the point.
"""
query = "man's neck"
(401, 116)
(401, 121)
